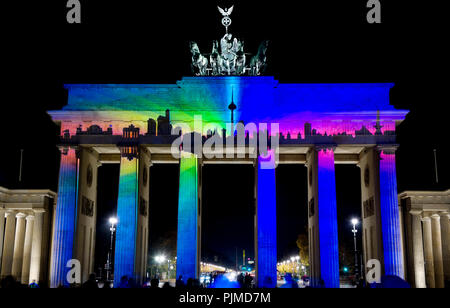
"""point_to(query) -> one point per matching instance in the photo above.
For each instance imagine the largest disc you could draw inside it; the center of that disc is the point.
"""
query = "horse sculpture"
(199, 64)
(228, 58)
(216, 60)
(240, 59)
(259, 62)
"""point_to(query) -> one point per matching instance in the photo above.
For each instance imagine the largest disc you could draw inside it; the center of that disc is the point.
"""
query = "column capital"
(129, 152)
(387, 149)
(436, 216)
(64, 149)
(426, 218)
(30, 217)
(39, 211)
(444, 214)
(416, 212)
(9, 213)
(20, 215)
(324, 147)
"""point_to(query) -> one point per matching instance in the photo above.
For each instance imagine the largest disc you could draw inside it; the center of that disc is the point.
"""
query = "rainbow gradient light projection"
(127, 211)
(266, 226)
(330, 108)
(308, 115)
(65, 218)
(328, 238)
(390, 220)
(188, 236)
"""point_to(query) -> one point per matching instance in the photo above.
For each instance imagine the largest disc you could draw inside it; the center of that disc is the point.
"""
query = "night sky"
(147, 42)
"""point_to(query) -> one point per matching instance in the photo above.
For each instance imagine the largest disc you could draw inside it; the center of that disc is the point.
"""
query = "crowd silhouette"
(216, 281)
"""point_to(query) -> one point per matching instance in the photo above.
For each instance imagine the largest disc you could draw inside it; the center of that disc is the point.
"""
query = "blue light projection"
(328, 233)
(127, 213)
(65, 218)
(266, 225)
(390, 220)
(188, 207)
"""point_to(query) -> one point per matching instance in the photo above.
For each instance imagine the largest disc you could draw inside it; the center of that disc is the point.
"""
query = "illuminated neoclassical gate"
(320, 125)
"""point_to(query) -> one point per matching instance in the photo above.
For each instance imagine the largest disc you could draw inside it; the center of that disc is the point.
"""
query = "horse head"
(263, 47)
(194, 48)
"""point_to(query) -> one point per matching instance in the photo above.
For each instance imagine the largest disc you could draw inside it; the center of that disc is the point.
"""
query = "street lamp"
(161, 259)
(113, 222)
(355, 222)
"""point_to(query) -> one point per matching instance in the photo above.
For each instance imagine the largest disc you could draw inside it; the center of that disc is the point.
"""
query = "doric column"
(390, 218)
(143, 215)
(445, 234)
(8, 246)
(324, 255)
(428, 251)
(370, 207)
(189, 217)
(127, 209)
(2, 233)
(36, 246)
(27, 250)
(84, 243)
(65, 218)
(18, 246)
(437, 250)
(266, 223)
(417, 242)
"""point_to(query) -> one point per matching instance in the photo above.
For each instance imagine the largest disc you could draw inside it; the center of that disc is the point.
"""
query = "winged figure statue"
(226, 12)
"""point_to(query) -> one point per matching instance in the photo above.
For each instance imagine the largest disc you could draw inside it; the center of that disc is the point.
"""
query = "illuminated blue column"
(127, 211)
(65, 218)
(390, 220)
(327, 212)
(266, 224)
(188, 236)
(322, 221)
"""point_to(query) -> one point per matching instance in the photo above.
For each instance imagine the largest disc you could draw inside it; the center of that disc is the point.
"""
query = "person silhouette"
(179, 283)
(124, 283)
(154, 283)
(91, 283)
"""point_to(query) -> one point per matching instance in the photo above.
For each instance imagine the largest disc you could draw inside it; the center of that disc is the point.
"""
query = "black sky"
(147, 42)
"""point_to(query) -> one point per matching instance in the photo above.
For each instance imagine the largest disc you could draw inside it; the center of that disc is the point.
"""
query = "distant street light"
(355, 222)
(161, 259)
(109, 266)
(297, 260)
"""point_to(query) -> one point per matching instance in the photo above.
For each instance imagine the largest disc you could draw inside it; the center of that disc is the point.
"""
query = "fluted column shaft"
(327, 207)
(2, 233)
(127, 209)
(266, 223)
(18, 246)
(65, 218)
(437, 250)
(27, 250)
(445, 234)
(188, 219)
(390, 216)
(8, 246)
(419, 262)
(428, 245)
(36, 247)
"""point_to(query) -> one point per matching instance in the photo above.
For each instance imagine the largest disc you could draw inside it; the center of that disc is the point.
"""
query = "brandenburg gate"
(319, 125)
